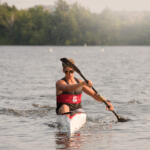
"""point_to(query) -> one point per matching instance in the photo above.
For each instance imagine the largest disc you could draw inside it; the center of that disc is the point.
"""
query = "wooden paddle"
(68, 63)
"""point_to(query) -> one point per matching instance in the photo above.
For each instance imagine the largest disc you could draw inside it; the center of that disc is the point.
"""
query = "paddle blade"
(120, 119)
(70, 64)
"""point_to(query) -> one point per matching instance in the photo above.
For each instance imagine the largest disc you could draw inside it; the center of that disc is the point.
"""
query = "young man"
(69, 91)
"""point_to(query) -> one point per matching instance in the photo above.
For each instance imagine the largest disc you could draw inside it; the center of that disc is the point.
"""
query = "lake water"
(27, 98)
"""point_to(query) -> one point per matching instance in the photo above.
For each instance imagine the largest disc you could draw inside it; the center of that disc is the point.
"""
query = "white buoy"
(102, 50)
(50, 50)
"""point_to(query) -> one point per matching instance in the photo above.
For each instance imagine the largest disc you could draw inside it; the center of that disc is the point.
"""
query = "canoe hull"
(71, 124)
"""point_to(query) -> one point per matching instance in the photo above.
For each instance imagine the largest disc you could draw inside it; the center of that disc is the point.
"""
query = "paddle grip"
(86, 80)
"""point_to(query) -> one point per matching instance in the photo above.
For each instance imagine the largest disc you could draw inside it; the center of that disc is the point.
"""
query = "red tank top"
(70, 97)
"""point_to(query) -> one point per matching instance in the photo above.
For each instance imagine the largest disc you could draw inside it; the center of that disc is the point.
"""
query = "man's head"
(64, 65)
(69, 71)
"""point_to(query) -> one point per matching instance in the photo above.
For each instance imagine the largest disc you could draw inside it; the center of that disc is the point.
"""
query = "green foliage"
(72, 25)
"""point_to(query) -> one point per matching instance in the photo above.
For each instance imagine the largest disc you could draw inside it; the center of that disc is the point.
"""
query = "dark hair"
(64, 65)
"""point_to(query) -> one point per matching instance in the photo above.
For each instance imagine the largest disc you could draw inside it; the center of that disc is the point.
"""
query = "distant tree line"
(72, 25)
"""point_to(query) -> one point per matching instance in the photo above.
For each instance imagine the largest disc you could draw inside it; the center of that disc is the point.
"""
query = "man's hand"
(111, 107)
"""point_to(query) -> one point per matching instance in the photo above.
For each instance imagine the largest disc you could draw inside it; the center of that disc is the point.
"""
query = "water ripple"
(40, 112)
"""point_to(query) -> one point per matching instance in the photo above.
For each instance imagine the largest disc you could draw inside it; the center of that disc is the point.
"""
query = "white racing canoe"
(72, 123)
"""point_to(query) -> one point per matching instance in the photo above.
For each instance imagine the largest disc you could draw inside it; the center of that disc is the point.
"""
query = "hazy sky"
(93, 5)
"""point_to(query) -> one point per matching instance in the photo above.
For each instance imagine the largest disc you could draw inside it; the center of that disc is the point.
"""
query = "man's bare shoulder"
(60, 85)
(60, 82)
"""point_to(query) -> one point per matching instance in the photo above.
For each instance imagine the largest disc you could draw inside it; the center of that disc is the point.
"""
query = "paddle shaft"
(96, 92)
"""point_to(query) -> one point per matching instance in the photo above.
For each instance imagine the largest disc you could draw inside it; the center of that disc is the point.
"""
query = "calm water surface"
(27, 98)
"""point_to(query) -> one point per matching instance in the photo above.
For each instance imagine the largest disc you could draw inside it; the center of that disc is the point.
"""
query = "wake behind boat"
(71, 123)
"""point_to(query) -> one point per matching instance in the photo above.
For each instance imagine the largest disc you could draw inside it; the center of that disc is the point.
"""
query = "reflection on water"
(65, 142)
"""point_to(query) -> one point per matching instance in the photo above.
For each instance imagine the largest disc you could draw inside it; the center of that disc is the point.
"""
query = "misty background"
(93, 5)
(74, 23)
